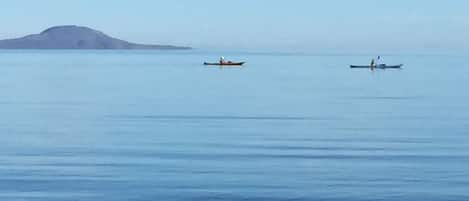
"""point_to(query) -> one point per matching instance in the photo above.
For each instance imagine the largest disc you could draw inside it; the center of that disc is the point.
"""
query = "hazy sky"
(290, 25)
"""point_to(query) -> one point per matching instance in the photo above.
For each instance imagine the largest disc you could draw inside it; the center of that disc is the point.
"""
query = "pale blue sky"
(294, 25)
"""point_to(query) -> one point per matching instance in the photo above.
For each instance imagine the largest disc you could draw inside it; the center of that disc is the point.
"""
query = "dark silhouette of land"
(76, 37)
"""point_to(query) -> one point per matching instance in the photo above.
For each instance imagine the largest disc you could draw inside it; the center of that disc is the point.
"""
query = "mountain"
(75, 37)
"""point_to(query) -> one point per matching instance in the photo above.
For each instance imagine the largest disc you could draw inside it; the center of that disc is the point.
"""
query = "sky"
(390, 26)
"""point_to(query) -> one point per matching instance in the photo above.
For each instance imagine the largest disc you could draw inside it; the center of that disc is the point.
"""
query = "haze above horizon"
(300, 25)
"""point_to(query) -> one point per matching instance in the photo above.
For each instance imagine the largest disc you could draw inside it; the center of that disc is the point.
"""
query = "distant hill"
(75, 37)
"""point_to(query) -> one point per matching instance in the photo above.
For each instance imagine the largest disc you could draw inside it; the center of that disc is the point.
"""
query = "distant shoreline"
(52, 49)
(71, 37)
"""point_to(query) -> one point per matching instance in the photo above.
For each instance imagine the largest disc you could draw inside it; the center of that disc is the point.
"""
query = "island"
(76, 37)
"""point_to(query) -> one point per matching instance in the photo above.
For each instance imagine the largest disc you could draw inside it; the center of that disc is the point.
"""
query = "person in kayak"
(222, 60)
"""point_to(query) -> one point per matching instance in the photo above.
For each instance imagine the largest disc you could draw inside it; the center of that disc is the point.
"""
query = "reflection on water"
(159, 126)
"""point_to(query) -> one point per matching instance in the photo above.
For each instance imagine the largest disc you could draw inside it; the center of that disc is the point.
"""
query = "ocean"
(159, 125)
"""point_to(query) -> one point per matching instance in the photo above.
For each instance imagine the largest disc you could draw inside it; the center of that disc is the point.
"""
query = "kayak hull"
(379, 66)
(225, 64)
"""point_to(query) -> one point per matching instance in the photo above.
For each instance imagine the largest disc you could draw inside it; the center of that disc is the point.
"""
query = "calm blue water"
(150, 126)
